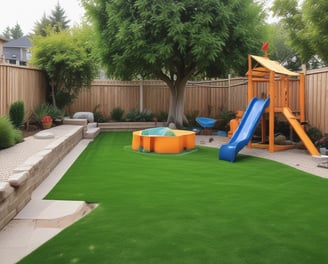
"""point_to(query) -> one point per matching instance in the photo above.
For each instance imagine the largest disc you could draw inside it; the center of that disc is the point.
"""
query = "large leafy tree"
(279, 48)
(174, 40)
(307, 27)
(315, 14)
(66, 58)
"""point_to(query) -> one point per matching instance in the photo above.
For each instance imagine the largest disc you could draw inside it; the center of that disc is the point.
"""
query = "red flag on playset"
(265, 46)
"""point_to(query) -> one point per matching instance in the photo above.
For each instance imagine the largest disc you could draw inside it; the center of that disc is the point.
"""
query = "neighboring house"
(17, 51)
(2, 56)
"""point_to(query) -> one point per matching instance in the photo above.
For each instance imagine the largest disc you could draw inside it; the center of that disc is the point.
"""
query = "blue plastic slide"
(245, 130)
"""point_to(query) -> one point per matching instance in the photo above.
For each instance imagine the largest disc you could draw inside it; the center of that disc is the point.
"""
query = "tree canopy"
(66, 58)
(57, 21)
(279, 48)
(175, 40)
(307, 27)
(14, 32)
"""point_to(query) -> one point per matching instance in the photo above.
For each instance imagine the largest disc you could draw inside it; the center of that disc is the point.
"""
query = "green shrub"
(145, 115)
(224, 118)
(191, 117)
(39, 112)
(98, 116)
(7, 133)
(314, 134)
(16, 113)
(55, 112)
(64, 98)
(18, 136)
(136, 116)
(46, 110)
(162, 116)
(322, 142)
(132, 115)
(117, 114)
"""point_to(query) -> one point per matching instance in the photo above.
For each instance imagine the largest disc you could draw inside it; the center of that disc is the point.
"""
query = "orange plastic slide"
(300, 132)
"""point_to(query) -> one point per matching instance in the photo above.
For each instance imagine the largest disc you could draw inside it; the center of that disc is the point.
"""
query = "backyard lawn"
(188, 208)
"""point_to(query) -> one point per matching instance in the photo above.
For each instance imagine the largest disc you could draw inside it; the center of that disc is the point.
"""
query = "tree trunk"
(176, 109)
(52, 85)
(177, 88)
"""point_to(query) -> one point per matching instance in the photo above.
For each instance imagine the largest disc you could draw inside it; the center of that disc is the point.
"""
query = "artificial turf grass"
(190, 208)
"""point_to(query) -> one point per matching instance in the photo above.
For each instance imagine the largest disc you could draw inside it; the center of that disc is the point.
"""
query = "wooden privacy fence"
(316, 98)
(207, 98)
(21, 83)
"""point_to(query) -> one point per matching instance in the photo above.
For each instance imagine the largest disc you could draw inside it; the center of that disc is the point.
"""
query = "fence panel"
(316, 98)
(21, 83)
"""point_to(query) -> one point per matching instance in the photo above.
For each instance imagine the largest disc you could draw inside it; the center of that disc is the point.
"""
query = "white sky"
(27, 12)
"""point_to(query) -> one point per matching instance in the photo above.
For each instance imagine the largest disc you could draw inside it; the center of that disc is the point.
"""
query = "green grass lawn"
(188, 208)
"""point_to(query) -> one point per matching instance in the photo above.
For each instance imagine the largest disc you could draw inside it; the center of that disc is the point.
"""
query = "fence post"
(302, 93)
(229, 96)
(141, 95)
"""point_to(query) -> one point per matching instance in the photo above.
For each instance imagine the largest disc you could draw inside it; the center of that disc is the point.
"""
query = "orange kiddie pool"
(163, 140)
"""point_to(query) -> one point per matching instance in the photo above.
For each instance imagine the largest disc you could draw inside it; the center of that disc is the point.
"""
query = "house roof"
(22, 42)
(273, 66)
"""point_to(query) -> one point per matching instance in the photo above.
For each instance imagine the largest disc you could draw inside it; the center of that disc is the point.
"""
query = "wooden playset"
(267, 78)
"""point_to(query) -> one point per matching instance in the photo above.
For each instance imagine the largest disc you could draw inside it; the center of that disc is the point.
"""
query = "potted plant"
(46, 122)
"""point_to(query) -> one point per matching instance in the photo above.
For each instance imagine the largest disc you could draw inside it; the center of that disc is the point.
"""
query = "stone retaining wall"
(17, 191)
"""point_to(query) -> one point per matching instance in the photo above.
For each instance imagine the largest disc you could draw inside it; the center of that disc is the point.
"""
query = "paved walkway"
(12, 157)
(40, 220)
(297, 158)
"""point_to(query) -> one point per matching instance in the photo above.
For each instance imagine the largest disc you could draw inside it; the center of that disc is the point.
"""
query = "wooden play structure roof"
(273, 66)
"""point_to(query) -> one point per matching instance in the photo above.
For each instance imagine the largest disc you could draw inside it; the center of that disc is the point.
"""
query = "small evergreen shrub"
(16, 113)
(132, 115)
(117, 114)
(314, 134)
(162, 116)
(7, 133)
(136, 116)
(224, 118)
(145, 116)
(98, 116)
(191, 117)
